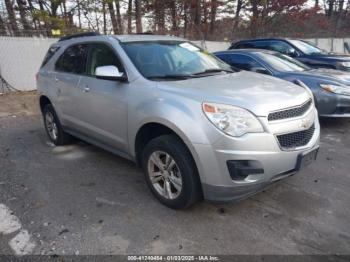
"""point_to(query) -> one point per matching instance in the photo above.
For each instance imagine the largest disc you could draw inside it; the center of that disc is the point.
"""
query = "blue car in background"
(331, 88)
(301, 50)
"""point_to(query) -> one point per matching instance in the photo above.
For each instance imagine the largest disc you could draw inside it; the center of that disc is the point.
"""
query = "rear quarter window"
(50, 53)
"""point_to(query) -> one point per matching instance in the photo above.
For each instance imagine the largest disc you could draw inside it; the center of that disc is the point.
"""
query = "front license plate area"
(306, 159)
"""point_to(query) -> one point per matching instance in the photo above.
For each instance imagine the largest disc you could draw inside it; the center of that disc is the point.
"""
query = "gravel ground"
(79, 199)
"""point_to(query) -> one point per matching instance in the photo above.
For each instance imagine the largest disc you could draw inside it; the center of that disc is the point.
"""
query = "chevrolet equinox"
(197, 127)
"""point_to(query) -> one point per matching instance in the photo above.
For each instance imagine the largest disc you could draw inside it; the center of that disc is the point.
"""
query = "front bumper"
(262, 148)
(333, 105)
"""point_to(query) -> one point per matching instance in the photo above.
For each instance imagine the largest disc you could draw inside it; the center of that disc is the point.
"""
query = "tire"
(165, 182)
(54, 130)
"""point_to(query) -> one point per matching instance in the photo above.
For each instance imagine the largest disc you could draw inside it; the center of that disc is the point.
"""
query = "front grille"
(290, 113)
(298, 139)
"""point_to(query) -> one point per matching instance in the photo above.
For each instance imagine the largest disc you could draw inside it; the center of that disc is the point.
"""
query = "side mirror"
(110, 73)
(292, 53)
(260, 70)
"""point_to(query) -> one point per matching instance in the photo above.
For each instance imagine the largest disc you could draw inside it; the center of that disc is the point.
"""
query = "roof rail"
(78, 35)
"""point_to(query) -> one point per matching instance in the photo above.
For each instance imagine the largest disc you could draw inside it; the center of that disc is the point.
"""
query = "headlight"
(232, 120)
(341, 90)
(344, 64)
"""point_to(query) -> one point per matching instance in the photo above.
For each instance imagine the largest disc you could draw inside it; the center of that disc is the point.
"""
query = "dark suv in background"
(301, 50)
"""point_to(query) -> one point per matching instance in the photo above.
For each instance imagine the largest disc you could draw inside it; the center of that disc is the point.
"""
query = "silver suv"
(198, 128)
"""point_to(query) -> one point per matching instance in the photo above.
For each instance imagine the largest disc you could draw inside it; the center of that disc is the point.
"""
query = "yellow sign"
(56, 32)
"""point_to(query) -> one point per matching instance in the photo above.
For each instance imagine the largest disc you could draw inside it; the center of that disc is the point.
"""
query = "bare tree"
(159, 10)
(23, 15)
(11, 16)
(119, 17)
(138, 16)
(317, 3)
(330, 8)
(255, 17)
(185, 5)
(130, 17)
(2, 26)
(104, 17)
(113, 17)
(195, 17)
(174, 22)
(214, 7)
(79, 13)
(237, 15)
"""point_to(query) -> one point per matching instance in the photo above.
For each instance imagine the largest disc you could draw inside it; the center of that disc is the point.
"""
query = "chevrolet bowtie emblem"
(305, 123)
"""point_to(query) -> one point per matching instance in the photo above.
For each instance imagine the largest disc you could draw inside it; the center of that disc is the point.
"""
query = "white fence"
(20, 58)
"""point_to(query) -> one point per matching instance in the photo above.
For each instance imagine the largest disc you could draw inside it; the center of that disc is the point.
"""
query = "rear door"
(69, 68)
(103, 103)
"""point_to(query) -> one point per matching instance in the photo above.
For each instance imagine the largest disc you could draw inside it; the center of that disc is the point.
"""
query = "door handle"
(86, 89)
(56, 79)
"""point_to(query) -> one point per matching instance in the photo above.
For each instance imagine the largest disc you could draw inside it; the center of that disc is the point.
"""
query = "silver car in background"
(196, 127)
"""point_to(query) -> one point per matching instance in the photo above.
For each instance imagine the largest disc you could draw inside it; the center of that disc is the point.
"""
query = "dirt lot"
(79, 199)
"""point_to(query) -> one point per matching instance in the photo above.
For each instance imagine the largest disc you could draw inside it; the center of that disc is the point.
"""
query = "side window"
(101, 55)
(278, 46)
(263, 45)
(241, 61)
(244, 45)
(73, 60)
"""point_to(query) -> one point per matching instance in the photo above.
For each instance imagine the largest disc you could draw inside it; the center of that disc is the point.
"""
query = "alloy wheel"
(165, 175)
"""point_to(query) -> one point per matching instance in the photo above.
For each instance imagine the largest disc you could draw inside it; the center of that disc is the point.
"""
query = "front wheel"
(170, 172)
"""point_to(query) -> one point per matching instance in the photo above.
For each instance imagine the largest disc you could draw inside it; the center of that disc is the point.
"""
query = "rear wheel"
(53, 127)
(170, 172)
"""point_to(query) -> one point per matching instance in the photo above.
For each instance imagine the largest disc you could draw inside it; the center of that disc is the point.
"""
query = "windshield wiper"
(184, 77)
(214, 70)
(170, 77)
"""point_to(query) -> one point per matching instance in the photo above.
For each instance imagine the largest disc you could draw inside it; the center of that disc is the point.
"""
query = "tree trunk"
(11, 15)
(138, 16)
(173, 10)
(185, 7)
(104, 17)
(119, 17)
(31, 9)
(54, 6)
(339, 17)
(254, 19)
(113, 17)
(330, 10)
(2, 27)
(317, 3)
(65, 15)
(159, 11)
(195, 17)
(214, 7)
(130, 17)
(238, 11)
(79, 13)
(22, 14)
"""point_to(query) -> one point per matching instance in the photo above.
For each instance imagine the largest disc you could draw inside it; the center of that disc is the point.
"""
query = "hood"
(333, 56)
(329, 75)
(258, 93)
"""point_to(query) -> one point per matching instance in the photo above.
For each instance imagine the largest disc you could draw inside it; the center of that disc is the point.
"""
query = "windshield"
(306, 48)
(173, 59)
(283, 63)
